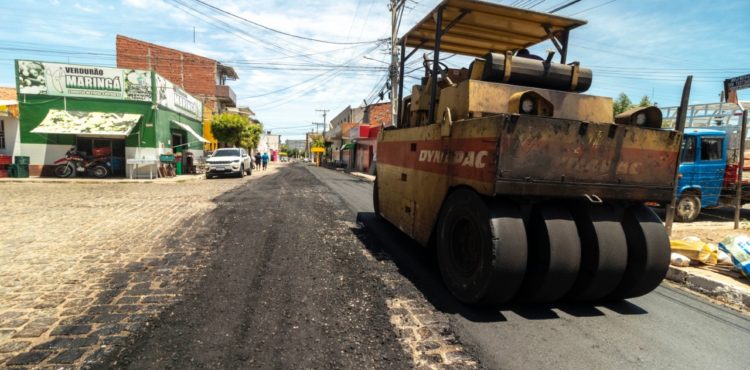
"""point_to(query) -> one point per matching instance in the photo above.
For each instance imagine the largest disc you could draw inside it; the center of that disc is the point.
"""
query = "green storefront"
(131, 116)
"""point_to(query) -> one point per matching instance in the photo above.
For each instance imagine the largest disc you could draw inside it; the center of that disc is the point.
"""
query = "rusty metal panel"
(473, 98)
(418, 165)
(592, 155)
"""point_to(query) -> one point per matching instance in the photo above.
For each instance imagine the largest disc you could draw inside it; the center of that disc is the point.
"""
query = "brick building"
(349, 135)
(202, 77)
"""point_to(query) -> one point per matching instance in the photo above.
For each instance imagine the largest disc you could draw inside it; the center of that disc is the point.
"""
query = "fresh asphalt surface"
(668, 328)
(288, 287)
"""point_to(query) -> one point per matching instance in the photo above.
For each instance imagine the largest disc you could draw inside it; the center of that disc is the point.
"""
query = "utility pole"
(317, 124)
(325, 123)
(395, 7)
(325, 112)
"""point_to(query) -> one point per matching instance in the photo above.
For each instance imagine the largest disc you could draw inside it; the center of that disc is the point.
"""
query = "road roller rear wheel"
(554, 254)
(604, 250)
(481, 248)
(648, 253)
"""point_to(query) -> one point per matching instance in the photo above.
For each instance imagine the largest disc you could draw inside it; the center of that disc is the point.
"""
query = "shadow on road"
(419, 265)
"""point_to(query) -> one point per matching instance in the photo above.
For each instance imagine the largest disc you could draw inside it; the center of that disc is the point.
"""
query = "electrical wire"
(282, 32)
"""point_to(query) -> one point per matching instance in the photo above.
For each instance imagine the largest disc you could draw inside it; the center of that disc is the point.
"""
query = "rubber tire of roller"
(648, 253)
(604, 250)
(500, 242)
(554, 254)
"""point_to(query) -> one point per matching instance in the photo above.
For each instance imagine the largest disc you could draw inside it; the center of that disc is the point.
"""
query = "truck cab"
(703, 164)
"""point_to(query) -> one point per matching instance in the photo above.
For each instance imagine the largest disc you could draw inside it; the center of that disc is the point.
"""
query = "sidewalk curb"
(47, 180)
(364, 176)
(710, 287)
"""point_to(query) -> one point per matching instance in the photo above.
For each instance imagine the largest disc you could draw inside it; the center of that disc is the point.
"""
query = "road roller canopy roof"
(475, 28)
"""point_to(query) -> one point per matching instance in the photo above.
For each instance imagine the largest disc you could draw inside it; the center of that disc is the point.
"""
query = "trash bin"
(22, 166)
(22, 160)
(178, 168)
(22, 171)
(12, 170)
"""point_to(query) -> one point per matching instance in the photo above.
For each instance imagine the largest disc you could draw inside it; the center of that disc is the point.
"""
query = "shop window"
(711, 148)
(2, 134)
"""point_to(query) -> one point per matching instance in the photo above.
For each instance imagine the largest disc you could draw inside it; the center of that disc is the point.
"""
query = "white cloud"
(143, 4)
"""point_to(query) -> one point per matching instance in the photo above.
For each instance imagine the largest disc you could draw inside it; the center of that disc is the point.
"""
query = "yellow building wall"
(212, 143)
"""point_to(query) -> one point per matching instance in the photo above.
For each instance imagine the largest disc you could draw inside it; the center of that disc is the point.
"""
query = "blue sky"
(634, 46)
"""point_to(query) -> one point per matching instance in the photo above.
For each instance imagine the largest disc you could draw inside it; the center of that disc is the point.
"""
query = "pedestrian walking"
(257, 160)
(264, 159)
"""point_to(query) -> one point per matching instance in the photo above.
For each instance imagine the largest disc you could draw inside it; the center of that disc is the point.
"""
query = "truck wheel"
(688, 208)
(554, 254)
(481, 248)
(648, 252)
(604, 250)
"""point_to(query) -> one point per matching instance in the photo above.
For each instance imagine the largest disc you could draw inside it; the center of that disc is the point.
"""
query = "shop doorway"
(179, 148)
(112, 148)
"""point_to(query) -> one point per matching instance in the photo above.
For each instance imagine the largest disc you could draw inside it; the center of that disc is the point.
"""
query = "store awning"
(191, 131)
(348, 146)
(87, 123)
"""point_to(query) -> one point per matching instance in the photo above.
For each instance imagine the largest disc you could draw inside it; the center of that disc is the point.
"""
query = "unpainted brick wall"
(196, 74)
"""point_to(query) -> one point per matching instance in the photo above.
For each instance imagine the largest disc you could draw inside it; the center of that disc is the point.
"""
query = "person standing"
(257, 160)
(264, 159)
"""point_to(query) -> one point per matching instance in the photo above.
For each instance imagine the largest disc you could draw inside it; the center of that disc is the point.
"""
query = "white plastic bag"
(738, 248)
(679, 260)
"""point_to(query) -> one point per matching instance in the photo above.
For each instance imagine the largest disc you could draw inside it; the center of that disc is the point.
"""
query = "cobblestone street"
(82, 266)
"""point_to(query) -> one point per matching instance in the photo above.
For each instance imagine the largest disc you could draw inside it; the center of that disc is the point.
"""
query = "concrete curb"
(47, 180)
(711, 287)
(363, 176)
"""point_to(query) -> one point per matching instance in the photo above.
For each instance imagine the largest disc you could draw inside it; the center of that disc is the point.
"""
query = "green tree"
(621, 104)
(645, 102)
(229, 128)
(251, 134)
(318, 141)
(236, 130)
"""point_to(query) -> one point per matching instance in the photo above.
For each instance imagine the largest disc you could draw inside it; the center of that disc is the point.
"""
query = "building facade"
(270, 144)
(346, 136)
(296, 144)
(202, 77)
(10, 138)
(127, 113)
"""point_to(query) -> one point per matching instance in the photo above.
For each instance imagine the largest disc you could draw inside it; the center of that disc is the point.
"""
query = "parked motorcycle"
(76, 162)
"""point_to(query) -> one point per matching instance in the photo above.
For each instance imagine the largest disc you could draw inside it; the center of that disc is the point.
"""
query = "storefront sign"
(173, 97)
(43, 78)
(738, 83)
(87, 123)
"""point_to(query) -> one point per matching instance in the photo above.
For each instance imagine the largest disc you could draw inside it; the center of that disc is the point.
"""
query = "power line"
(561, 7)
(282, 32)
(593, 7)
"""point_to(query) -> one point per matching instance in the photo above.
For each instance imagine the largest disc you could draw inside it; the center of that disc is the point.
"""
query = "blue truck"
(707, 178)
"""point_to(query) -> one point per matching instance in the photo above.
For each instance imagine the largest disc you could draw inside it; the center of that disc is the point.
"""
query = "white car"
(225, 161)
